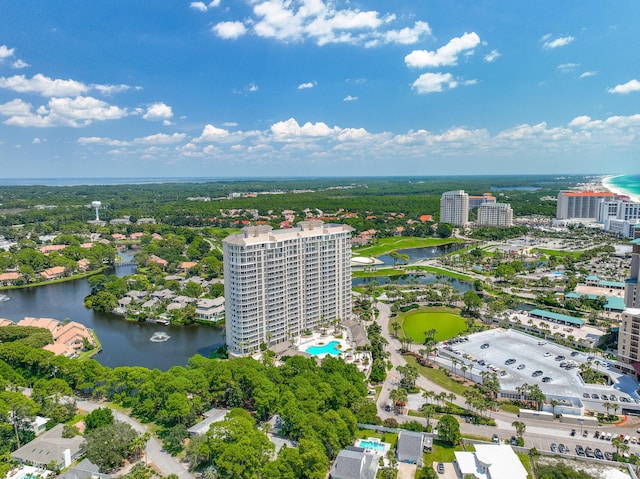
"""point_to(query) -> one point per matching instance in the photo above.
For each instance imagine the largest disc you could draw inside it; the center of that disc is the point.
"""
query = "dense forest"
(319, 405)
(67, 208)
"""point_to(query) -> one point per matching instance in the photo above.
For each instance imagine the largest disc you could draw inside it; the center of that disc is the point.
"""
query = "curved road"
(162, 460)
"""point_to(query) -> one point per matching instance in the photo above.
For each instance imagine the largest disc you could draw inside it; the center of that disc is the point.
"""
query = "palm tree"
(396, 327)
(554, 403)
(607, 405)
(428, 410)
(464, 369)
(520, 428)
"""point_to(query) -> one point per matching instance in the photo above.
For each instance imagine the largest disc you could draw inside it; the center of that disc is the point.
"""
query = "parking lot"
(531, 360)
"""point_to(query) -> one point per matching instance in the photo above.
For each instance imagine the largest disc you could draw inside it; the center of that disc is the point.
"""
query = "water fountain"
(159, 337)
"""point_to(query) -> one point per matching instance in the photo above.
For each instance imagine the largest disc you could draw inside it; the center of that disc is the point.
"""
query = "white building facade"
(496, 215)
(280, 283)
(454, 208)
(581, 204)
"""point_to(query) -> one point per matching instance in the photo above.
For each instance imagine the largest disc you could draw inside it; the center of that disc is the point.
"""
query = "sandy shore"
(606, 184)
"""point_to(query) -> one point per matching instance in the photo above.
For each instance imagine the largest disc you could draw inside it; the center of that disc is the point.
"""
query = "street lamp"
(581, 421)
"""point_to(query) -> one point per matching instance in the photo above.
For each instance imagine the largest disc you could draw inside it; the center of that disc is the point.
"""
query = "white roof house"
(491, 461)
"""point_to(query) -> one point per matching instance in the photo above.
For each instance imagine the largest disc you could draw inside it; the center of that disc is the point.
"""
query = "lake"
(419, 254)
(427, 278)
(124, 343)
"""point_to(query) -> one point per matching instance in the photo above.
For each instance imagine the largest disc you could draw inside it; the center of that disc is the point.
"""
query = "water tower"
(96, 205)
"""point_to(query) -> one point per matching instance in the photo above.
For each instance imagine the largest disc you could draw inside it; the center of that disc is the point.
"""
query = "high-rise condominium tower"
(280, 283)
(454, 208)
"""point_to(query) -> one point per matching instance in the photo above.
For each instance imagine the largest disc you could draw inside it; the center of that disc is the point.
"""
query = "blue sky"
(316, 88)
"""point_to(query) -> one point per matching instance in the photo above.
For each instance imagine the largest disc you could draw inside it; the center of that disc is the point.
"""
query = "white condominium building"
(454, 208)
(280, 283)
(497, 215)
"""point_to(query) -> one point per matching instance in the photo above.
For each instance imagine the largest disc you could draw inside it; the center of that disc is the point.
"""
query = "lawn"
(438, 376)
(442, 452)
(447, 323)
(394, 243)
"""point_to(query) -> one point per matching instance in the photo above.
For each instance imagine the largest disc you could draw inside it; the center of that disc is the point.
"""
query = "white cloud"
(43, 85)
(203, 7)
(557, 42)
(6, 52)
(211, 133)
(50, 87)
(492, 56)
(19, 64)
(158, 111)
(253, 87)
(305, 86)
(229, 30)
(350, 98)
(319, 21)
(588, 74)
(434, 82)
(445, 55)
(157, 139)
(36, 141)
(405, 36)
(625, 88)
(290, 130)
(72, 112)
(568, 67)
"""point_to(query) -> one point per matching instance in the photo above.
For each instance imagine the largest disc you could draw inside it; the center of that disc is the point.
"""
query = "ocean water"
(630, 184)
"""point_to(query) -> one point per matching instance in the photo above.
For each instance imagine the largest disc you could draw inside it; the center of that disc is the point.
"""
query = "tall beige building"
(497, 215)
(629, 332)
(280, 283)
(454, 208)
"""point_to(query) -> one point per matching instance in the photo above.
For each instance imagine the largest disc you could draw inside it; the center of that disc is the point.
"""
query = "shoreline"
(606, 184)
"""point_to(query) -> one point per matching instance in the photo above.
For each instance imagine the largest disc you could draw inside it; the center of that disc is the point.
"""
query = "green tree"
(449, 429)
(109, 445)
(520, 428)
(472, 301)
(98, 418)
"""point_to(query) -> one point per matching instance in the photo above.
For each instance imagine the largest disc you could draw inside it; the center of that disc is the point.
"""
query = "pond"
(420, 254)
(426, 278)
(124, 343)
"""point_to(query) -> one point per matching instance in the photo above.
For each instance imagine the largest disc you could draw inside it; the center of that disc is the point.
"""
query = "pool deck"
(23, 470)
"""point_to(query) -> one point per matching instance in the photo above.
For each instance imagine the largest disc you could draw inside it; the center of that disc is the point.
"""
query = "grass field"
(447, 323)
(438, 376)
(387, 245)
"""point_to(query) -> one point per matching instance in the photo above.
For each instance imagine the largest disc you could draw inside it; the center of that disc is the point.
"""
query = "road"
(162, 460)
(539, 434)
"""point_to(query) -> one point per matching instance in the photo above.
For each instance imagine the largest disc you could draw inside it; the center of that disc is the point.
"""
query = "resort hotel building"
(495, 215)
(281, 283)
(454, 208)
(581, 204)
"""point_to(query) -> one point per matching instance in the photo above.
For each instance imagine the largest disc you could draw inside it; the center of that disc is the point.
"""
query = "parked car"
(560, 357)
(440, 468)
(574, 353)
(510, 361)
(589, 452)
(495, 439)
(598, 453)
(608, 456)
(573, 432)
(554, 447)
(537, 373)
(596, 434)
(579, 450)
(547, 379)
(605, 397)
(521, 367)
(595, 396)
(585, 433)
(513, 441)
(586, 395)
(547, 354)
(613, 397)
(484, 346)
(563, 449)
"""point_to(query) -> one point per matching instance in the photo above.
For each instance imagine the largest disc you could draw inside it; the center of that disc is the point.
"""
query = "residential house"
(70, 339)
(85, 469)
(354, 463)
(186, 266)
(411, 446)
(52, 247)
(9, 278)
(159, 261)
(210, 309)
(118, 237)
(46, 323)
(490, 461)
(50, 448)
(163, 294)
(53, 273)
(6, 322)
(136, 236)
(83, 264)
(146, 221)
(210, 417)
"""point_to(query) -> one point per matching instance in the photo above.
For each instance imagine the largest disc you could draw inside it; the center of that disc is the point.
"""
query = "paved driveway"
(406, 471)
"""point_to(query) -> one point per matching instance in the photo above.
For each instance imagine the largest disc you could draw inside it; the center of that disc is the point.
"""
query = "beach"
(607, 185)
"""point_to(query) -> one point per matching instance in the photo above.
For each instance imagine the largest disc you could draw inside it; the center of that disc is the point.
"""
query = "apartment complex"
(581, 204)
(454, 208)
(280, 283)
(629, 332)
(497, 215)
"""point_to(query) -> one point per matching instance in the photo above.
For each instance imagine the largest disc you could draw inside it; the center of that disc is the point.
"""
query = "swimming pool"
(329, 348)
(371, 445)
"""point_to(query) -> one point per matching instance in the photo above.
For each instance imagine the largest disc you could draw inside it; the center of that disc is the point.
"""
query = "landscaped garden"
(446, 322)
